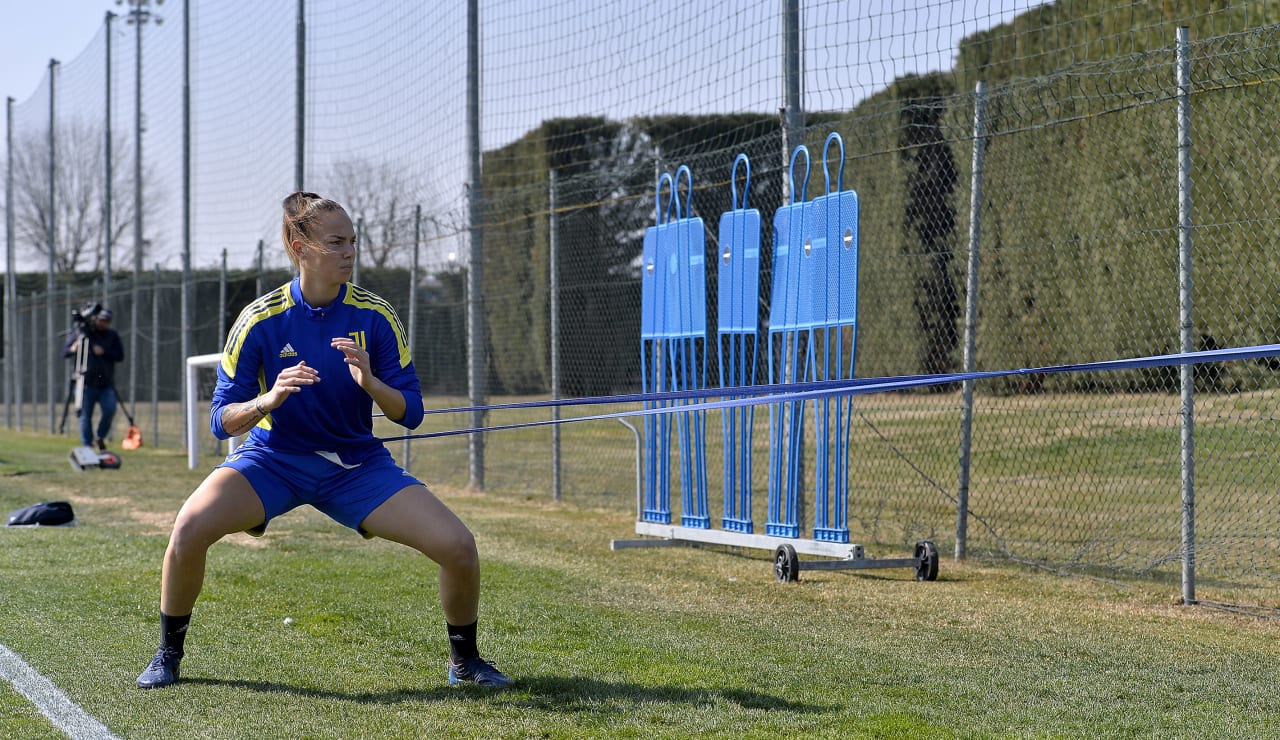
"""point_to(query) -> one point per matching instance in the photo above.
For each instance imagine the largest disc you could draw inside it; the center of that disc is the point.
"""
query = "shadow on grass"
(556, 693)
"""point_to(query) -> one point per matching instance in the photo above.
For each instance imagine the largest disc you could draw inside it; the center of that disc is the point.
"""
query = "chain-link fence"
(1077, 253)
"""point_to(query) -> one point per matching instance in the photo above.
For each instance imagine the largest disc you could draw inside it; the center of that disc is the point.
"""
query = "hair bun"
(297, 201)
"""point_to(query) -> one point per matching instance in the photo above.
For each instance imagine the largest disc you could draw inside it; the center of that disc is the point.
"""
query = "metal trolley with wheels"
(787, 563)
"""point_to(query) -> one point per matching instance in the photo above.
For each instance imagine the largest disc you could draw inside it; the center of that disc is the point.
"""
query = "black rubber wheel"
(786, 566)
(927, 555)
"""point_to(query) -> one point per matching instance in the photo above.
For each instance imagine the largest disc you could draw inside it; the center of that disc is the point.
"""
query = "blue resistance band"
(784, 392)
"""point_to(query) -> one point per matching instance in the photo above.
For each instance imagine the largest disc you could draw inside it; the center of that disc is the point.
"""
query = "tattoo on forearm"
(240, 418)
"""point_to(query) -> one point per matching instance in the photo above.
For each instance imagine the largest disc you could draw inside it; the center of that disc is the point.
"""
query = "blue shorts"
(286, 480)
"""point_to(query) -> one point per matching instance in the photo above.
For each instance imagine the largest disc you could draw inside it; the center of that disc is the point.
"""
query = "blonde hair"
(301, 211)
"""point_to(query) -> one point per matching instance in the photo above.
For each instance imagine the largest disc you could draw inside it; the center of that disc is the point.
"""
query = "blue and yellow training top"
(279, 330)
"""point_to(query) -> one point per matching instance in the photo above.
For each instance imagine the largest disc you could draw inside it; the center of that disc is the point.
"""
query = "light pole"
(12, 376)
(106, 182)
(52, 235)
(138, 16)
(186, 197)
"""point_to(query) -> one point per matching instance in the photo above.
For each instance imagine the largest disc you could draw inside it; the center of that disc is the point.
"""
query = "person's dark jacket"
(100, 370)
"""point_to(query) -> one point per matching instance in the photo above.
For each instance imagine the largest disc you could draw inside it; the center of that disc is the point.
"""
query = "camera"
(82, 316)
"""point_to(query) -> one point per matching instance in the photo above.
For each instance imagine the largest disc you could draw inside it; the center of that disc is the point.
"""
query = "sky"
(32, 33)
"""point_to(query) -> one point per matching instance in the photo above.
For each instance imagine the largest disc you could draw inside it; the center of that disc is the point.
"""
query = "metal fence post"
(553, 225)
(355, 264)
(35, 363)
(475, 267)
(15, 365)
(222, 301)
(1186, 319)
(65, 374)
(155, 355)
(971, 317)
(413, 303)
(68, 372)
(257, 284)
(793, 85)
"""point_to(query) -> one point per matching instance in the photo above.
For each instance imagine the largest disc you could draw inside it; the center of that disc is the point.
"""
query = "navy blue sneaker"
(163, 670)
(479, 672)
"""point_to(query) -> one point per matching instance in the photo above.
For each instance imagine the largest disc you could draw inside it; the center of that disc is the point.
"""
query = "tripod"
(75, 389)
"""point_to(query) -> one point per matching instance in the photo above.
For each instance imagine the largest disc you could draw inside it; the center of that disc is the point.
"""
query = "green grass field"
(670, 642)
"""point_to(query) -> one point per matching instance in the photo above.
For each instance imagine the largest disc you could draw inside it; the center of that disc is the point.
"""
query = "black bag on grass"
(45, 514)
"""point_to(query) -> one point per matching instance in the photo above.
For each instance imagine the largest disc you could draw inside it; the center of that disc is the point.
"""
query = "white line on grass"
(51, 702)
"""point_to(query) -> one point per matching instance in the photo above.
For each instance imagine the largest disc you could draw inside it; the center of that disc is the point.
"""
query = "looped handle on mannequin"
(791, 173)
(688, 199)
(671, 196)
(733, 184)
(840, 172)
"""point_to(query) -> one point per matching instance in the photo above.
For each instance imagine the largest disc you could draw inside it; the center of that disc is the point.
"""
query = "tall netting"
(34, 135)
(584, 105)
(243, 129)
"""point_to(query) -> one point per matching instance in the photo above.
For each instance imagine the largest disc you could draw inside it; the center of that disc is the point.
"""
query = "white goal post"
(193, 415)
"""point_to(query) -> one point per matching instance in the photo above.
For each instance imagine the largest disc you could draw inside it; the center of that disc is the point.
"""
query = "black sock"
(173, 631)
(462, 642)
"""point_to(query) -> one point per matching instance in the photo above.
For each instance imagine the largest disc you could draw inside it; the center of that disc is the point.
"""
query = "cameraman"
(96, 347)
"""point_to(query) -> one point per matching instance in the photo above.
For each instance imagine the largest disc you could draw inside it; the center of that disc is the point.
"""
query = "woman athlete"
(301, 371)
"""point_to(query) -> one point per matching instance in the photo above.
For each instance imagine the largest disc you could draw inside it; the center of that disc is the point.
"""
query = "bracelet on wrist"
(257, 404)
